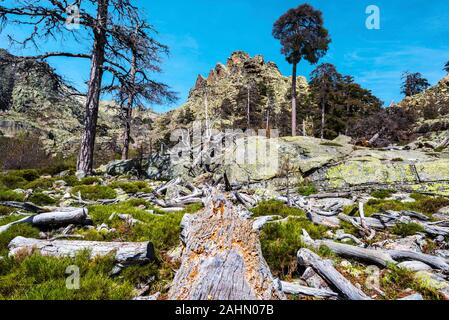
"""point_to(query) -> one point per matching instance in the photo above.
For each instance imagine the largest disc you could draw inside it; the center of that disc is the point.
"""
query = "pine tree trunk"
(322, 119)
(294, 100)
(129, 111)
(86, 154)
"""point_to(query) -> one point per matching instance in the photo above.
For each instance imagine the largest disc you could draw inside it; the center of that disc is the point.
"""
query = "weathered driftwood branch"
(222, 258)
(292, 288)
(377, 256)
(326, 270)
(124, 252)
(55, 219)
(27, 206)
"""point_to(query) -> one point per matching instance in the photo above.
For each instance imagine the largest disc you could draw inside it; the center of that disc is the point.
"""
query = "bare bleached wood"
(27, 206)
(377, 256)
(55, 219)
(326, 270)
(292, 288)
(124, 252)
(222, 258)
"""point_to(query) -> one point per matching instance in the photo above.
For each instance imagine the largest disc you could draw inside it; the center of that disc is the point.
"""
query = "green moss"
(41, 183)
(382, 194)
(44, 278)
(193, 208)
(275, 208)
(9, 195)
(407, 229)
(307, 189)
(94, 192)
(41, 199)
(281, 241)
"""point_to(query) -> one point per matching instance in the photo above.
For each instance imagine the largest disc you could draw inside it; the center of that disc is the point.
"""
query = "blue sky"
(413, 36)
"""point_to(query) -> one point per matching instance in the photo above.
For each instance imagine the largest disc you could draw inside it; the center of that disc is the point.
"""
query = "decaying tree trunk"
(55, 219)
(124, 252)
(222, 258)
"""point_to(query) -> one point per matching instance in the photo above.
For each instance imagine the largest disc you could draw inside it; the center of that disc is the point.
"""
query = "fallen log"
(326, 270)
(292, 288)
(124, 253)
(67, 216)
(377, 257)
(27, 206)
(222, 258)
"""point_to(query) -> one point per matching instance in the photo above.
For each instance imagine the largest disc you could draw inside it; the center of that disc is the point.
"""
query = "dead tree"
(222, 258)
(105, 21)
(135, 87)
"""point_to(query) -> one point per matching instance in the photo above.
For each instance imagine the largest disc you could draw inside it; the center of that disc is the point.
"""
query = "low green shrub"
(275, 208)
(424, 204)
(44, 278)
(4, 211)
(382, 194)
(88, 181)
(23, 230)
(407, 229)
(9, 195)
(94, 192)
(395, 280)
(12, 181)
(281, 241)
(28, 174)
(41, 183)
(307, 189)
(71, 180)
(162, 230)
(131, 187)
(41, 199)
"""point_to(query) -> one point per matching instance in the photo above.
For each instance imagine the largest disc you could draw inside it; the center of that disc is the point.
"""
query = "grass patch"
(382, 194)
(407, 229)
(94, 192)
(307, 189)
(281, 241)
(275, 208)
(4, 211)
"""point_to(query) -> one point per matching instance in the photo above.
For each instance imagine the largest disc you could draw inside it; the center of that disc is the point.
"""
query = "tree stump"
(222, 258)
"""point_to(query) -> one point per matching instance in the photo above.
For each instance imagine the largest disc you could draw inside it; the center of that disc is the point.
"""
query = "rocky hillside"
(431, 108)
(36, 100)
(230, 90)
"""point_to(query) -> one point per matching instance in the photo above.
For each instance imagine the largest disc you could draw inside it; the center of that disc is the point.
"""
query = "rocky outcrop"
(34, 99)
(222, 97)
